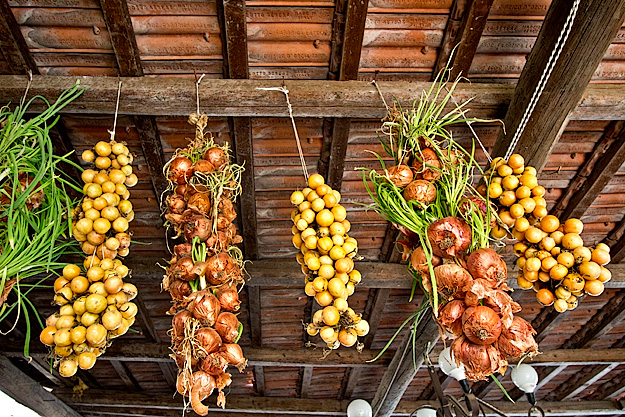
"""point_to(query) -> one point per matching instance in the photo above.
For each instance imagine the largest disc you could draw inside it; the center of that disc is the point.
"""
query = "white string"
(299, 145)
(553, 58)
(380, 93)
(112, 132)
(197, 93)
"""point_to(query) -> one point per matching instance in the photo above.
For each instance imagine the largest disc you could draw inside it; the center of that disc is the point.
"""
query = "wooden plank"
(311, 98)
(28, 392)
(242, 132)
(375, 315)
(338, 151)
(616, 241)
(12, 44)
(596, 24)
(610, 389)
(350, 381)
(235, 32)
(253, 296)
(259, 380)
(580, 381)
(594, 175)
(124, 374)
(170, 371)
(306, 381)
(402, 370)
(464, 29)
(144, 320)
(152, 151)
(122, 36)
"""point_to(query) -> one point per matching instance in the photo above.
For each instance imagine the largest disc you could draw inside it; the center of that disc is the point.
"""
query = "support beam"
(616, 241)
(153, 152)
(124, 374)
(259, 380)
(580, 381)
(463, 32)
(610, 389)
(594, 175)
(407, 360)
(253, 299)
(375, 315)
(27, 391)
(170, 371)
(306, 381)
(350, 381)
(595, 26)
(311, 98)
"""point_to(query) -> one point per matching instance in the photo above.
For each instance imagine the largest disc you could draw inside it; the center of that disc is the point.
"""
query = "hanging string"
(112, 132)
(197, 93)
(299, 145)
(380, 93)
(553, 58)
(30, 81)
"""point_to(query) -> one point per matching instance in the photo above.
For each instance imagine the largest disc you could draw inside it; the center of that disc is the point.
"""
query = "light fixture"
(449, 367)
(524, 376)
(425, 411)
(359, 408)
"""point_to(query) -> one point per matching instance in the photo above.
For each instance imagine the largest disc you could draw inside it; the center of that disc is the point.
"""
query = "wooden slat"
(27, 391)
(350, 381)
(235, 33)
(616, 241)
(124, 374)
(253, 296)
(306, 381)
(242, 132)
(595, 26)
(594, 175)
(119, 25)
(610, 389)
(169, 370)
(259, 380)
(464, 30)
(579, 382)
(12, 44)
(152, 151)
(375, 315)
(311, 98)
(338, 151)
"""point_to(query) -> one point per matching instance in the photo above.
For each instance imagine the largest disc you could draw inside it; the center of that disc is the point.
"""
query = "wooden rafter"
(593, 176)
(595, 26)
(253, 297)
(463, 32)
(616, 241)
(580, 381)
(124, 374)
(259, 380)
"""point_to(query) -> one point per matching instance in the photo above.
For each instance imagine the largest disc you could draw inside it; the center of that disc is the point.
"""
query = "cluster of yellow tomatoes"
(552, 257)
(94, 301)
(326, 254)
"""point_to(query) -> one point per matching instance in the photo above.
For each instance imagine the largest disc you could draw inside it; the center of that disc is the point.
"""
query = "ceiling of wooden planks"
(289, 40)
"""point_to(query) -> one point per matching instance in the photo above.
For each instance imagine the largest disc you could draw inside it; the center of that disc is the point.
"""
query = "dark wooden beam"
(314, 98)
(616, 241)
(153, 152)
(375, 315)
(259, 380)
(12, 44)
(579, 382)
(306, 380)
(235, 34)
(610, 389)
(594, 175)
(338, 151)
(28, 392)
(119, 25)
(407, 360)
(253, 298)
(124, 374)
(349, 383)
(463, 32)
(170, 370)
(595, 26)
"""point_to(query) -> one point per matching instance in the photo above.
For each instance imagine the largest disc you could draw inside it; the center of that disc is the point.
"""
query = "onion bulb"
(450, 316)
(217, 157)
(200, 202)
(228, 298)
(227, 325)
(180, 170)
(208, 339)
(449, 237)
(418, 261)
(202, 386)
(487, 264)
(481, 325)
(234, 355)
(451, 279)
(422, 191)
(204, 306)
(518, 339)
(183, 382)
(427, 164)
(479, 361)
(400, 175)
(214, 364)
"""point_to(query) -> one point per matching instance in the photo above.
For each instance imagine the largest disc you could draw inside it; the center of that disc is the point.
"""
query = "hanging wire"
(553, 58)
(297, 140)
(112, 132)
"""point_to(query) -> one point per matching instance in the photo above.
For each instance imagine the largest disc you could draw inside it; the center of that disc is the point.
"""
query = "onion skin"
(200, 202)
(208, 339)
(196, 225)
(182, 250)
(217, 157)
(420, 190)
(203, 166)
(427, 164)
(223, 380)
(503, 305)
(175, 204)
(418, 260)
(234, 355)
(204, 306)
(465, 207)
(451, 279)
(400, 175)
(184, 383)
(487, 264)
(450, 316)
(228, 298)
(178, 322)
(227, 325)
(220, 267)
(181, 361)
(180, 170)
(475, 291)
(449, 237)
(203, 386)
(183, 269)
(179, 290)
(226, 208)
(214, 364)
(481, 325)
(517, 340)
(479, 361)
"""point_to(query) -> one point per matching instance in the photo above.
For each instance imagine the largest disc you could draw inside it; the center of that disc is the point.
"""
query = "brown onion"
(449, 237)
(203, 166)
(180, 189)
(178, 322)
(200, 268)
(418, 260)
(184, 383)
(481, 325)
(487, 264)
(227, 209)
(420, 190)
(208, 339)
(234, 355)
(223, 380)
(214, 364)
(183, 269)
(479, 361)
(196, 225)
(475, 291)
(205, 306)
(228, 298)
(427, 164)
(450, 316)
(182, 250)
(200, 202)
(217, 157)
(175, 204)
(180, 170)
(179, 289)
(227, 325)
(218, 267)
(503, 305)
(181, 361)
(223, 223)
(451, 279)
(203, 386)
(400, 175)
(517, 340)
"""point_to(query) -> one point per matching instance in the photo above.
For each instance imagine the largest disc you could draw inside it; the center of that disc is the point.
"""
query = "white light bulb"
(448, 365)
(426, 411)
(525, 378)
(359, 408)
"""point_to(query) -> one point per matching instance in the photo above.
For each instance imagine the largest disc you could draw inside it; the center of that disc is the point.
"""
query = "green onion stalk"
(35, 205)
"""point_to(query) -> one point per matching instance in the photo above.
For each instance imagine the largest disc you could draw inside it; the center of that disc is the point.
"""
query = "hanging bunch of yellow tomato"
(94, 301)
(553, 260)
(326, 254)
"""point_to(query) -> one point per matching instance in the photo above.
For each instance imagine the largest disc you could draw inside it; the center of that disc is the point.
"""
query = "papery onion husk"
(182, 250)
(418, 260)
(481, 325)
(203, 166)
(226, 208)
(181, 361)
(184, 383)
(196, 225)
(208, 339)
(487, 264)
(234, 355)
(427, 164)
(420, 190)
(451, 279)
(479, 361)
(227, 325)
(180, 170)
(200, 202)
(517, 340)
(217, 157)
(214, 364)
(204, 306)
(183, 269)
(449, 237)
(400, 175)
(503, 305)
(218, 268)
(223, 223)
(178, 322)
(223, 380)
(180, 189)
(228, 298)
(203, 386)
(475, 291)
(175, 204)
(450, 316)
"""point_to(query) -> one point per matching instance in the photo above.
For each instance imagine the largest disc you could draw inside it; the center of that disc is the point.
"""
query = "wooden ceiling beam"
(124, 374)
(595, 173)
(616, 241)
(312, 98)
(259, 380)
(29, 392)
(463, 32)
(579, 382)
(595, 26)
